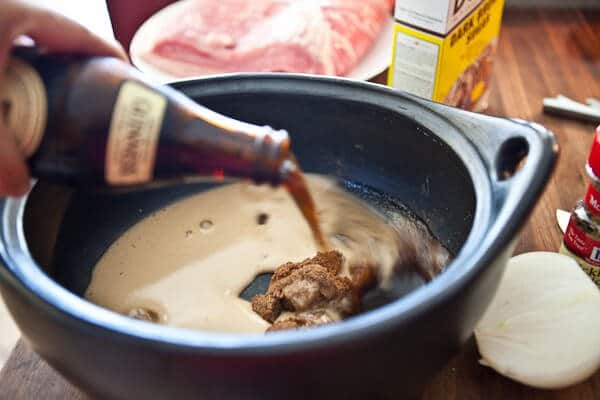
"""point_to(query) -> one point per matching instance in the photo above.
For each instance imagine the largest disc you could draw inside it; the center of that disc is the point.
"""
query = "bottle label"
(23, 105)
(585, 248)
(133, 136)
(592, 200)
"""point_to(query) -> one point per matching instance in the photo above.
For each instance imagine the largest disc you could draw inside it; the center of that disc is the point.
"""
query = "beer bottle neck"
(236, 148)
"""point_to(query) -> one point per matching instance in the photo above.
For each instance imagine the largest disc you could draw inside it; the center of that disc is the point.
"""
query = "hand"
(53, 33)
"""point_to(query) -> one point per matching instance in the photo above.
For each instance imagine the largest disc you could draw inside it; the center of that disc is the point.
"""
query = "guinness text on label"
(131, 154)
(133, 136)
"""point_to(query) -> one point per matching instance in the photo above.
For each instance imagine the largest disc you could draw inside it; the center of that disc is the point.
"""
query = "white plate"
(378, 57)
(373, 63)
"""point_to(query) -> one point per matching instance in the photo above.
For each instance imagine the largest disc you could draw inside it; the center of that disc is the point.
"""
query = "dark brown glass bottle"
(97, 121)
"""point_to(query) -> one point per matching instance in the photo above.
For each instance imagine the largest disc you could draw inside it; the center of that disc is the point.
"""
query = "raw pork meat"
(307, 36)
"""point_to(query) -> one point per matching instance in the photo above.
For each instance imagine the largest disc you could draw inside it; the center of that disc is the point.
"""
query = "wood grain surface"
(541, 53)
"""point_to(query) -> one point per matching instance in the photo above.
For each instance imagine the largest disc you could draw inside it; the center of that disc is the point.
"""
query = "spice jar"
(582, 236)
(582, 241)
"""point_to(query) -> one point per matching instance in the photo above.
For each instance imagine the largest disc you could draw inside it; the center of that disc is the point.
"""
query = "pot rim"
(480, 248)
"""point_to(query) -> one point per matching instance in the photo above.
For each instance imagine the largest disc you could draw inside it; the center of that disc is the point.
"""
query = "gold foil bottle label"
(23, 105)
(133, 136)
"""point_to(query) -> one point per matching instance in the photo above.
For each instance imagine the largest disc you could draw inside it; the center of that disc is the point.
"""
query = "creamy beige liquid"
(188, 262)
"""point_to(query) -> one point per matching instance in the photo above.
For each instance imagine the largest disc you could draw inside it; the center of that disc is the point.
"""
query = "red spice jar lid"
(594, 158)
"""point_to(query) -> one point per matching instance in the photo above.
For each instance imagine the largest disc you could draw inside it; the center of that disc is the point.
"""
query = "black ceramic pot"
(453, 168)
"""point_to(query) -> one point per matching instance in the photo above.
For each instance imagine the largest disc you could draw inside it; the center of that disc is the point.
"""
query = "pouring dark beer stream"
(296, 185)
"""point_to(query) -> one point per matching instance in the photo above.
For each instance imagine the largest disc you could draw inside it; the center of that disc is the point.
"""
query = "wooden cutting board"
(541, 53)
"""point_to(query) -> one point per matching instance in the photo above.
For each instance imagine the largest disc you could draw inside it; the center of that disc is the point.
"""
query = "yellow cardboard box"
(455, 68)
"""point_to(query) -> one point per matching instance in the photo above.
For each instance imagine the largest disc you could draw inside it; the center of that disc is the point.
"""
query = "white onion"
(543, 325)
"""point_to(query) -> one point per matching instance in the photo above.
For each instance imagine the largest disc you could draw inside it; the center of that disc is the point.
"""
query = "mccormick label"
(133, 136)
(585, 248)
(592, 200)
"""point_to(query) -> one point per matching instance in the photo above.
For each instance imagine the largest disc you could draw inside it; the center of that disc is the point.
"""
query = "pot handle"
(519, 156)
(507, 146)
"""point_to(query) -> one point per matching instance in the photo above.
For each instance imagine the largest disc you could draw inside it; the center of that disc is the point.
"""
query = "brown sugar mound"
(311, 291)
(330, 260)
